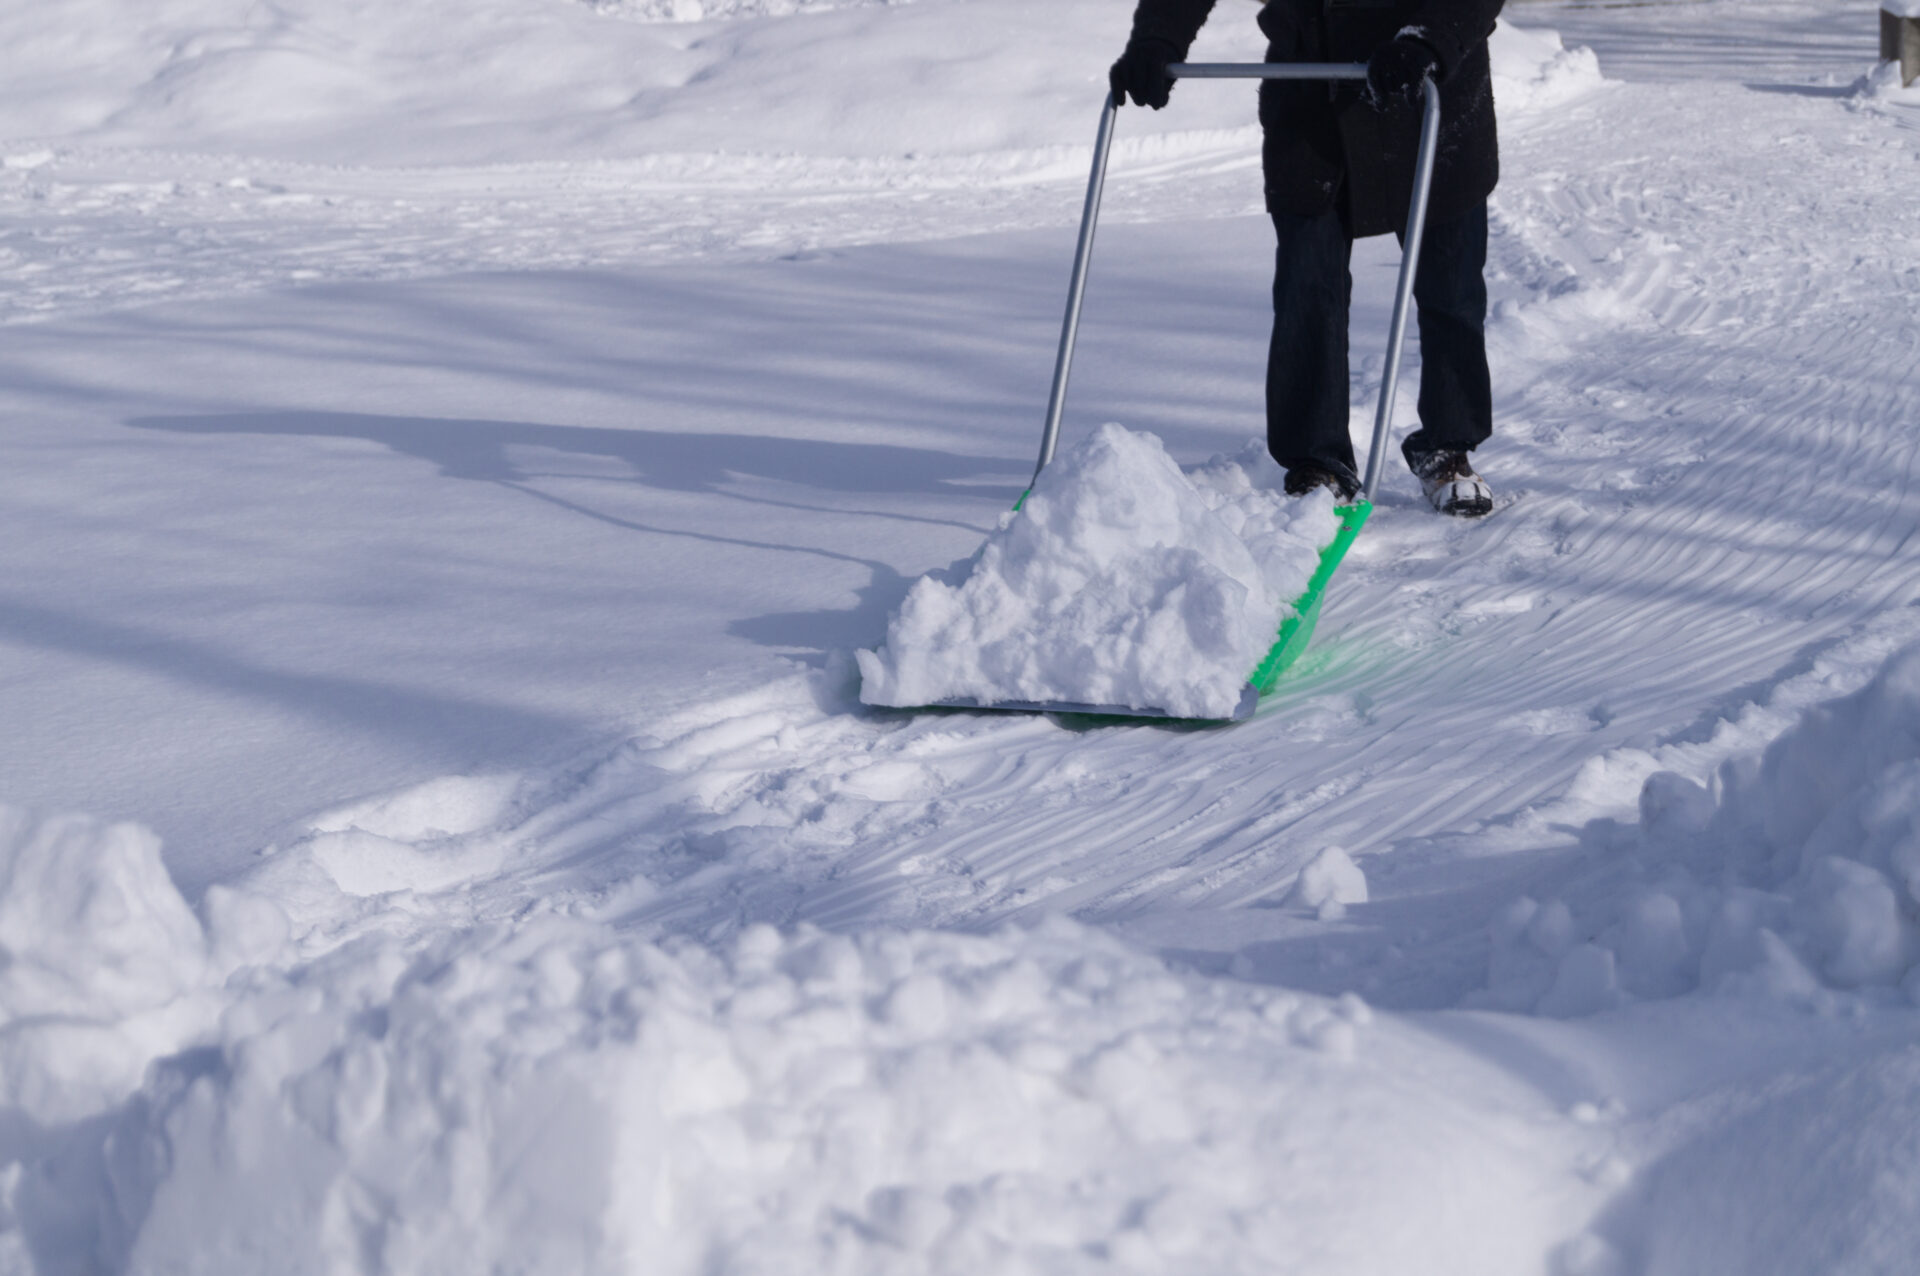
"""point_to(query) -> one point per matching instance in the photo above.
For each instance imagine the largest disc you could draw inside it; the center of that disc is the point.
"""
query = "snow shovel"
(1297, 631)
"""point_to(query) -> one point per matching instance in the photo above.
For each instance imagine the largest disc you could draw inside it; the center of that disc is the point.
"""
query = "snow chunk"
(1585, 984)
(1884, 85)
(1534, 71)
(99, 957)
(1330, 883)
(1121, 581)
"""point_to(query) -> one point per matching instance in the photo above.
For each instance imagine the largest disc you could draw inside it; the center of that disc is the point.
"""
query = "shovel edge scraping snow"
(1297, 630)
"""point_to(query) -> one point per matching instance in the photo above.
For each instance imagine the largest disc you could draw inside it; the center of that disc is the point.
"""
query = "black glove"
(1142, 72)
(1398, 69)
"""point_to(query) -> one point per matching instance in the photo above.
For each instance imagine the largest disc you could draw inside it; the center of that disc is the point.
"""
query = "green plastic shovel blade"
(1297, 630)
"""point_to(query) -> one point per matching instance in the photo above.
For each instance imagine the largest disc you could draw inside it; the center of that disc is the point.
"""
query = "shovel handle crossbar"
(1409, 261)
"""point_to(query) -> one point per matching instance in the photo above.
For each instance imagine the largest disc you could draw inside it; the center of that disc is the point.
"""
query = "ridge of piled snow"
(1120, 581)
(548, 1095)
(1794, 872)
(1533, 71)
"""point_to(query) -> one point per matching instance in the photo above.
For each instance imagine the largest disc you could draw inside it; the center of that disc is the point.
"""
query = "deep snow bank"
(1120, 581)
(1794, 872)
(546, 1094)
(554, 1100)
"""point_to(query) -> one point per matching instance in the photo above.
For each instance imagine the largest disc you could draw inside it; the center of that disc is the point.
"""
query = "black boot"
(1450, 483)
(1307, 477)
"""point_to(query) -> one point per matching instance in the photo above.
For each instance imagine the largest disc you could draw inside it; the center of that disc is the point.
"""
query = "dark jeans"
(1307, 362)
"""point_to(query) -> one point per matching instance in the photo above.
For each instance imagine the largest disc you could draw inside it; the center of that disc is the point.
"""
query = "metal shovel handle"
(1409, 261)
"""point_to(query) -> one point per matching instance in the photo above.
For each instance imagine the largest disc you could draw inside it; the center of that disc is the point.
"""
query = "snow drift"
(1120, 581)
(1793, 873)
(546, 1094)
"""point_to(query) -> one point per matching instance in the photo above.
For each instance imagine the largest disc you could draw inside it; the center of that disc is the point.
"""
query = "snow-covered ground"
(454, 451)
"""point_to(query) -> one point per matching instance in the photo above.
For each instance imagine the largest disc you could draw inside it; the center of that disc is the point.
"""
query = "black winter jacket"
(1324, 145)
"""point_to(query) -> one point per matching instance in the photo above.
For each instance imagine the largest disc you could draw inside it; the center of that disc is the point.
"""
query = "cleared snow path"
(1703, 443)
(1673, 290)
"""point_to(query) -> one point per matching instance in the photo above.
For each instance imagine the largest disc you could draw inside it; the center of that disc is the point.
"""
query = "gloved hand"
(1142, 72)
(1398, 69)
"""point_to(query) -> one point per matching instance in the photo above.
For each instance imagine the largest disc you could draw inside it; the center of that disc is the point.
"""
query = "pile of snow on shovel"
(1120, 581)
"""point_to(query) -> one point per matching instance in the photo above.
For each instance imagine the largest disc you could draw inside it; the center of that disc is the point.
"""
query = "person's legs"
(1307, 359)
(1450, 291)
